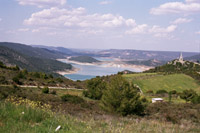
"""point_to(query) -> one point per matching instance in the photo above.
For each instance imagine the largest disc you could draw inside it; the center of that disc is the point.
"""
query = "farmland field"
(154, 81)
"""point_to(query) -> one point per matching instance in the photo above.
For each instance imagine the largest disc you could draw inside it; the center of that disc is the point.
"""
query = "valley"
(97, 93)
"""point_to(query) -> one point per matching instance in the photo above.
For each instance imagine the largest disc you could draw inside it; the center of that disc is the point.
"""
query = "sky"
(165, 25)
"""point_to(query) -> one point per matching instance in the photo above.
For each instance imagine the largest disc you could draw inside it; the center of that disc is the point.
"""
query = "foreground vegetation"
(24, 118)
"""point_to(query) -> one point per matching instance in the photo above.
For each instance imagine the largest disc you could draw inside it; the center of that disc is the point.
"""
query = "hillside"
(31, 63)
(155, 82)
(12, 75)
(194, 58)
(33, 51)
(146, 62)
(84, 59)
(179, 66)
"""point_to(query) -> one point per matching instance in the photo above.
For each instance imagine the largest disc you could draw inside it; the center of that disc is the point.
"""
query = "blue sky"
(170, 25)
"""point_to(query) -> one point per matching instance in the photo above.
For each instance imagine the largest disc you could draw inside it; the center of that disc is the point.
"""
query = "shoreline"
(79, 63)
(105, 64)
(72, 71)
(128, 66)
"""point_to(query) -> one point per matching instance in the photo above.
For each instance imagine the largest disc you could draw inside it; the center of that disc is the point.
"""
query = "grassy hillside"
(187, 67)
(153, 81)
(12, 57)
(9, 76)
(84, 59)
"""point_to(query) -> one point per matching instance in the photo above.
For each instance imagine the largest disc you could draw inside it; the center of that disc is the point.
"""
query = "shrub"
(59, 80)
(161, 92)
(3, 80)
(175, 113)
(188, 95)
(45, 90)
(196, 100)
(121, 97)
(72, 99)
(173, 92)
(16, 80)
(20, 75)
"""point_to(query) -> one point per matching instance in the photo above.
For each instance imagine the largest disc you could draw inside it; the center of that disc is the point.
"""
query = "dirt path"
(50, 87)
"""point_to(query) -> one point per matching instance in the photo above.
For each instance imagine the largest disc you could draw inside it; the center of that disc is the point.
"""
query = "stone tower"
(181, 57)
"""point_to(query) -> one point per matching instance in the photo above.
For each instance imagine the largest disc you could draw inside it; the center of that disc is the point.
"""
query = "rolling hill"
(33, 51)
(194, 58)
(31, 63)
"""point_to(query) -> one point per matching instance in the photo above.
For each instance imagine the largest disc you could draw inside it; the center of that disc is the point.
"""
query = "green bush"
(188, 95)
(173, 92)
(17, 81)
(3, 80)
(161, 92)
(72, 99)
(95, 88)
(196, 100)
(45, 90)
(121, 97)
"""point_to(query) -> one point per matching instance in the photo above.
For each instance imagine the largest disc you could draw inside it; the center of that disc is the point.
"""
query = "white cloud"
(76, 18)
(0, 19)
(155, 30)
(158, 29)
(42, 3)
(105, 2)
(191, 6)
(181, 20)
(23, 29)
(138, 29)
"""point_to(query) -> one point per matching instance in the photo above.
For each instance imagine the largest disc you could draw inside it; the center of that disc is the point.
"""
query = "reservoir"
(91, 71)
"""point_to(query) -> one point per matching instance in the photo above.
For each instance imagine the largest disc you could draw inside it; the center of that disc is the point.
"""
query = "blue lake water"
(91, 71)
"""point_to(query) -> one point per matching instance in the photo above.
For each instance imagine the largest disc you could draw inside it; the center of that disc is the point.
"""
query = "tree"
(121, 97)
(45, 90)
(188, 95)
(95, 88)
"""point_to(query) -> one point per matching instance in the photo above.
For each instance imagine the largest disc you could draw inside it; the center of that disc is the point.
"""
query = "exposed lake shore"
(103, 64)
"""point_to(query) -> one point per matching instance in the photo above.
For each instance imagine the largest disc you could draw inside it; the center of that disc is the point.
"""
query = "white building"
(154, 100)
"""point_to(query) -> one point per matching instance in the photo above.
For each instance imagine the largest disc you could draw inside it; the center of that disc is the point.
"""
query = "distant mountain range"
(127, 54)
(144, 55)
(32, 59)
